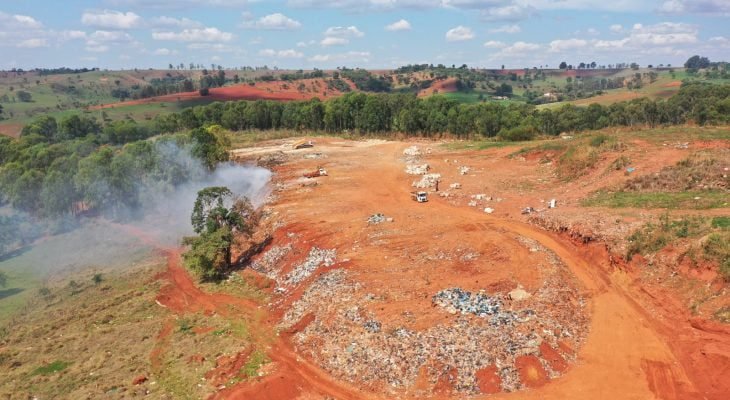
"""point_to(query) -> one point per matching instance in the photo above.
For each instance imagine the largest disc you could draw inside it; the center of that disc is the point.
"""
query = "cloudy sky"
(364, 33)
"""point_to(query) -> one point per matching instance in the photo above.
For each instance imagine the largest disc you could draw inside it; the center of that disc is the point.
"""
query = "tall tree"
(216, 225)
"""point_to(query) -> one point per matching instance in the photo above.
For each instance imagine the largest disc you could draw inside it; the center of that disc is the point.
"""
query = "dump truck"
(420, 197)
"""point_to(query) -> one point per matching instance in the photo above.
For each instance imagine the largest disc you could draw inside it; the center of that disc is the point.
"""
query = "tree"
(24, 96)
(216, 225)
(563, 65)
(3, 279)
(697, 62)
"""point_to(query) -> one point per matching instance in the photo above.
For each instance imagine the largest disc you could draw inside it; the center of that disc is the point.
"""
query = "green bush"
(517, 134)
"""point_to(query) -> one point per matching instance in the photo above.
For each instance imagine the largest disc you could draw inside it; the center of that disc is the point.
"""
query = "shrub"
(518, 133)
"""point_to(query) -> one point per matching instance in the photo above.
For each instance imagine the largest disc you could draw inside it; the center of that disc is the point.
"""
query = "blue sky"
(362, 33)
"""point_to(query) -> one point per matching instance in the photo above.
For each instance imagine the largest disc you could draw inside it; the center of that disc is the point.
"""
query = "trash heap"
(412, 151)
(378, 218)
(268, 263)
(427, 181)
(417, 169)
(317, 257)
(459, 300)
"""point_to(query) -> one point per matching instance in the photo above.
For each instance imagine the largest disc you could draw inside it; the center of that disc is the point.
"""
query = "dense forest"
(438, 115)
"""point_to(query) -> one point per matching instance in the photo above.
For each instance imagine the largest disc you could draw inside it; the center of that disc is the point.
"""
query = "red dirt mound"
(304, 89)
(440, 86)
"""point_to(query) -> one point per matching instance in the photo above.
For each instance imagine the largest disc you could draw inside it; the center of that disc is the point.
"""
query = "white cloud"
(400, 25)
(334, 41)
(616, 28)
(72, 35)
(717, 8)
(195, 35)
(351, 56)
(345, 32)
(217, 47)
(288, 53)
(493, 44)
(97, 48)
(507, 29)
(170, 22)
(557, 46)
(276, 21)
(459, 33)
(110, 36)
(164, 52)
(520, 48)
(27, 22)
(33, 43)
(111, 19)
(665, 33)
(513, 12)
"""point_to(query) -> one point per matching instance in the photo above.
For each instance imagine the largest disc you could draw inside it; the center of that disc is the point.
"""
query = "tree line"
(438, 115)
(58, 169)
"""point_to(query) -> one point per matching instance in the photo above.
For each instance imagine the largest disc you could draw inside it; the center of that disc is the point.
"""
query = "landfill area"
(469, 294)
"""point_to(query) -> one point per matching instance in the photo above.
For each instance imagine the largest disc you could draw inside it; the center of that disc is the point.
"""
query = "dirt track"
(640, 343)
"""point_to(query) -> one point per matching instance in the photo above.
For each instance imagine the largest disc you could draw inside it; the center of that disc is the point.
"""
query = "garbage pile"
(412, 151)
(417, 169)
(458, 300)
(427, 181)
(378, 219)
(463, 170)
(268, 263)
(316, 258)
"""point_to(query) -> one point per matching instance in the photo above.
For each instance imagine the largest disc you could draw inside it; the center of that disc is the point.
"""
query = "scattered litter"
(463, 170)
(527, 210)
(481, 196)
(372, 326)
(313, 156)
(630, 170)
(417, 169)
(316, 258)
(444, 194)
(378, 219)
(488, 210)
(473, 203)
(553, 203)
(455, 186)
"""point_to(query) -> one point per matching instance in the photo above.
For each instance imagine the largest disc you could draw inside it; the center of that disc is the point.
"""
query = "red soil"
(489, 381)
(633, 326)
(441, 86)
(531, 372)
(277, 91)
(12, 130)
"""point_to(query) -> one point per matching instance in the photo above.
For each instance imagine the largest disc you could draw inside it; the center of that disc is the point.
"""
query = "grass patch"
(548, 146)
(478, 145)
(721, 222)
(52, 368)
(256, 361)
(703, 200)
